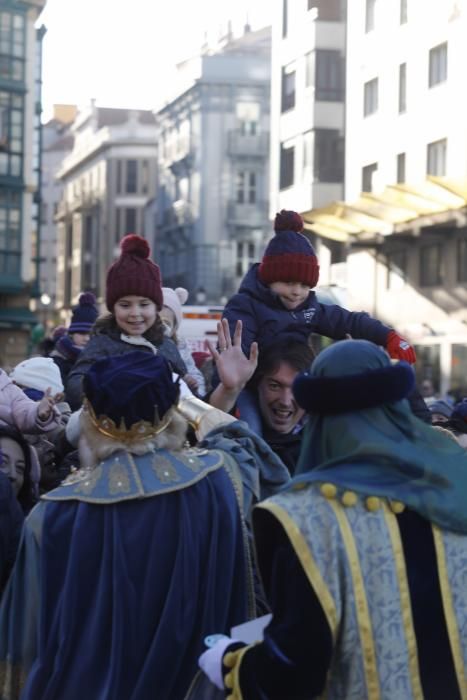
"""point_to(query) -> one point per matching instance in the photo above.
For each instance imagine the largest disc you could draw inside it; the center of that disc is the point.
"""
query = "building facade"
(210, 213)
(307, 104)
(20, 145)
(108, 179)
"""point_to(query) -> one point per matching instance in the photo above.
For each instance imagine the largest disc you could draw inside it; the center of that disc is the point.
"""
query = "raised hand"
(46, 405)
(233, 367)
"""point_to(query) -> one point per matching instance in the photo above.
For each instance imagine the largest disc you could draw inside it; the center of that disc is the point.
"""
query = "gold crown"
(142, 430)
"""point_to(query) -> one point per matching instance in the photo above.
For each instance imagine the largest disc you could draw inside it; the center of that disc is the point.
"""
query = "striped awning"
(389, 212)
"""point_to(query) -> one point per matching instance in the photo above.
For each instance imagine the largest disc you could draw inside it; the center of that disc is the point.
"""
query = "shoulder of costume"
(126, 477)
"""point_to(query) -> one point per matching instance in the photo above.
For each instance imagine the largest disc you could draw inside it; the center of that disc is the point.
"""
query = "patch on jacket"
(308, 315)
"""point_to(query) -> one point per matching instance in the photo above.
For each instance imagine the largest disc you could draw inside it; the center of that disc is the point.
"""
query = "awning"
(389, 212)
(17, 318)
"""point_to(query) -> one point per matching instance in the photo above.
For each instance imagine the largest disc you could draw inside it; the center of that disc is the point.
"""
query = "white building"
(307, 104)
(210, 214)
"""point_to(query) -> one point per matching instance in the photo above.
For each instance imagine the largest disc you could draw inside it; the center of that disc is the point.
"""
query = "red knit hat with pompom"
(133, 273)
(289, 256)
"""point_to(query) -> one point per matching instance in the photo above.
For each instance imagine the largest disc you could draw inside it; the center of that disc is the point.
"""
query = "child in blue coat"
(275, 299)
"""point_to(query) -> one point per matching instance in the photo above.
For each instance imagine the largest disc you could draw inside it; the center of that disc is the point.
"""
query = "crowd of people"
(150, 505)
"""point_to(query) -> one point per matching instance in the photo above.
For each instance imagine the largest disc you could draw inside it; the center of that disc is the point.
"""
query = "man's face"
(278, 407)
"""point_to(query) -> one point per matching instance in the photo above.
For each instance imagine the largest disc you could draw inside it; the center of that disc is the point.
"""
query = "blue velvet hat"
(128, 396)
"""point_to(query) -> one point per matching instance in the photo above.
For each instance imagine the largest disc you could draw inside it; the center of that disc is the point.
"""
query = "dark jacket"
(265, 318)
(107, 344)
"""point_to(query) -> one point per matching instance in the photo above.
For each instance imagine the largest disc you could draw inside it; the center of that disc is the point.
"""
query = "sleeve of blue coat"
(335, 322)
(241, 308)
(20, 609)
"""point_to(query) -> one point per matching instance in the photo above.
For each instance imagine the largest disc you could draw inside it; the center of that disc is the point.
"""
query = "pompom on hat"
(40, 373)
(174, 300)
(84, 315)
(134, 273)
(129, 396)
(289, 256)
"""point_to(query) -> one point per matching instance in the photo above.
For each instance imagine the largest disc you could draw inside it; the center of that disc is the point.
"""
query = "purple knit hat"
(289, 256)
(84, 315)
(134, 273)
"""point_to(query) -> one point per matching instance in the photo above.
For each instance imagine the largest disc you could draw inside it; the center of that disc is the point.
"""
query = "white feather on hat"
(174, 299)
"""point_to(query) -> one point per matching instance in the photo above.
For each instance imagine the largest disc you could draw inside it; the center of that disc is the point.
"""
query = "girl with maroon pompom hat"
(133, 298)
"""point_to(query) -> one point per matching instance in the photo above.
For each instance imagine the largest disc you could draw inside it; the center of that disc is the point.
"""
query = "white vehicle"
(199, 325)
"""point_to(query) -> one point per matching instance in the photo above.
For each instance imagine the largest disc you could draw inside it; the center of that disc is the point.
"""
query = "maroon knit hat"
(134, 273)
(289, 256)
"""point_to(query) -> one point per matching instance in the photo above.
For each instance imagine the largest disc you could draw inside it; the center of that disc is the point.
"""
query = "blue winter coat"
(265, 319)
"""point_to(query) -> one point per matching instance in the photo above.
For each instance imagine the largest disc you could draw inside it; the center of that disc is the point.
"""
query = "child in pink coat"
(18, 411)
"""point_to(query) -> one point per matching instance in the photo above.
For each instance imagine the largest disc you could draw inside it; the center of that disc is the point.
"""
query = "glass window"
(397, 269)
(10, 233)
(438, 65)
(12, 46)
(288, 89)
(328, 10)
(131, 176)
(436, 157)
(402, 87)
(287, 166)
(11, 134)
(245, 257)
(367, 176)
(130, 220)
(370, 97)
(329, 76)
(403, 12)
(401, 167)
(328, 158)
(370, 15)
(246, 187)
(431, 265)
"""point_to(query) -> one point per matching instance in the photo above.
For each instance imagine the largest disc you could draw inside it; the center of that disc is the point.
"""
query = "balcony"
(179, 213)
(252, 145)
(247, 215)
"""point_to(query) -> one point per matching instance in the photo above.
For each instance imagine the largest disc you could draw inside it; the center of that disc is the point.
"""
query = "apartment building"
(404, 221)
(108, 179)
(20, 137)
(210, 213)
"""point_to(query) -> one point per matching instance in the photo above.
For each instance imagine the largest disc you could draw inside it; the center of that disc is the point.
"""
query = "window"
(308, 153)
(438, 65)
(402, 87)
(401, 167)
(285, 17)
(130, 220)
(12, 46)
(462, 260)
(131, 176)
(288, 89)
(403, 12)
(287, 166)
(436, 157)
(397, 269)
(246, 187)
(10, 233)
(367, 176)
(328, 158)
(245, 257)
(329, 76)
(11, 135)
(328, 10)
(144, 176)
(309, 68)
(431, 265)
(248, 114)
(370, 97)
(370, 15)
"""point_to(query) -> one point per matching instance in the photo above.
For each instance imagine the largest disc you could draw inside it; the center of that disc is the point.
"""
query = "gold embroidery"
(119, 481)
(361, 604)
(88, 484)
(449, 613)
(164, 469)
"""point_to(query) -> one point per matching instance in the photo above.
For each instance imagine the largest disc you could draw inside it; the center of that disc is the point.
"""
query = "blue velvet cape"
(130, 588)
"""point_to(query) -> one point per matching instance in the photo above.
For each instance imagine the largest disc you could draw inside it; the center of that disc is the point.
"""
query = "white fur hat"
(174, 299)
(38, 373)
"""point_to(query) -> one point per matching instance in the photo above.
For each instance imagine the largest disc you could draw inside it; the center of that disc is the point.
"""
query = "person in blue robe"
(363, 556)
(126, 567)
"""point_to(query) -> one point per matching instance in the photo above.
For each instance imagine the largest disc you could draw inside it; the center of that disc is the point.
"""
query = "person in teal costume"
(126, 567)
(363, 555)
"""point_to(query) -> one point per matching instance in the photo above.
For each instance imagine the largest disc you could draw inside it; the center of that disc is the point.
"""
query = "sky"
(121, 52)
